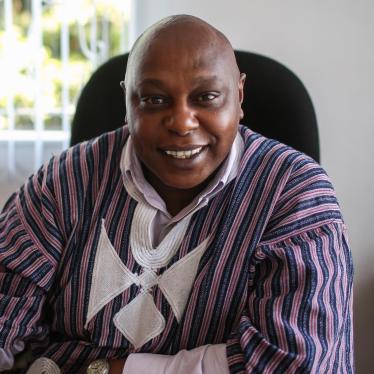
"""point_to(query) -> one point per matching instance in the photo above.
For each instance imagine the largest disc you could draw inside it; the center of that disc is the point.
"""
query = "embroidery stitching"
(109, 271)
(140, 320)
(176, 282)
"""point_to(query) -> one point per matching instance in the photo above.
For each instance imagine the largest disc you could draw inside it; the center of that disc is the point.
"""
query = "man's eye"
(153, 100)
(209, 96)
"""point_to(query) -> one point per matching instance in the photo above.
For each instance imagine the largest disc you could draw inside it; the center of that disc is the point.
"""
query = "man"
(181, 243)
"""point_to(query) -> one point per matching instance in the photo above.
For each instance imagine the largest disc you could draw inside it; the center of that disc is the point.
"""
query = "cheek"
(144, 131)
(225, 118)
(224, 130)
(145, 140)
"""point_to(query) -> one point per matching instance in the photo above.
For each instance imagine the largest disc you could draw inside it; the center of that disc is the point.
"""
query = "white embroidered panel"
(176, 282)
(148, 279)
(140, 320)
(110, 276)
(141, 242)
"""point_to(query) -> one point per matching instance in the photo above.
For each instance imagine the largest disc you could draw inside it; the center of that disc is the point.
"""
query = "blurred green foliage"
(18, 58)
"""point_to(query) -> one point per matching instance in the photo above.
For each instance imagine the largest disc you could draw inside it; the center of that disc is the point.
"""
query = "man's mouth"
(188, 153)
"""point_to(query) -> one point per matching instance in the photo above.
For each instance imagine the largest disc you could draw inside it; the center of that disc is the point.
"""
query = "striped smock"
(274, 281)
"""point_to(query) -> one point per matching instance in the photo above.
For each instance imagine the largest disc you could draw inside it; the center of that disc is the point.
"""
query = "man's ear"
(123, 85)
(241, 92)
(241, 86)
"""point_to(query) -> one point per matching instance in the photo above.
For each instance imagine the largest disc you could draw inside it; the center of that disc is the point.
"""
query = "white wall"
(330, 45)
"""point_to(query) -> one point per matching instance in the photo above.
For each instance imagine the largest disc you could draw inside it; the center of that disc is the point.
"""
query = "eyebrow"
(198, 81)
(151, 82)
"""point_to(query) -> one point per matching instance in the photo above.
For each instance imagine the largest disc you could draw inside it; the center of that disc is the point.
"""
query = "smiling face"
(183, 96)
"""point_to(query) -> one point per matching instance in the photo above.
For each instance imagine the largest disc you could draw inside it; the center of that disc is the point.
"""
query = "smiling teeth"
(184, 154)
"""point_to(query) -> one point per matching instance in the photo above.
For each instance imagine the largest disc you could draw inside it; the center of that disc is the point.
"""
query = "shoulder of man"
(300, 193)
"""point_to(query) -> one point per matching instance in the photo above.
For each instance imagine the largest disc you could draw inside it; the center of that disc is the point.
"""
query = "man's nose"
(182, 119)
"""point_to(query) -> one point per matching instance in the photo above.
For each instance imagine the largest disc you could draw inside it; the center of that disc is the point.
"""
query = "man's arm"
(299, 316)
(26, 265)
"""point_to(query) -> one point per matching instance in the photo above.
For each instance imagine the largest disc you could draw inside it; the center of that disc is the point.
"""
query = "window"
(48, 50)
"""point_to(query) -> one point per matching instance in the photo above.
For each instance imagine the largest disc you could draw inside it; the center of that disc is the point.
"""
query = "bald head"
(181, 31)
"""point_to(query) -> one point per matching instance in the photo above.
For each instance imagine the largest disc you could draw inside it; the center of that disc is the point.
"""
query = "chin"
(184, 185)
(181, 183)
(183, 180)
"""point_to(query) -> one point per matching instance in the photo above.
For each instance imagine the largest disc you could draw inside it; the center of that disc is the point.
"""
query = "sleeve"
(30, 244)
(207, 359)
(7, 357)
(298, 317)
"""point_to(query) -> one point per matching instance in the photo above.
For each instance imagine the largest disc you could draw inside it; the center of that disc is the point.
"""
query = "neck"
(175, 199)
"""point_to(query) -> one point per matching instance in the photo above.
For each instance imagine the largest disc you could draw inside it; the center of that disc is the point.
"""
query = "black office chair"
(276, 103)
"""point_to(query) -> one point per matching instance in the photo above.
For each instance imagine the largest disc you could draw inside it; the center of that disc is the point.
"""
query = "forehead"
(182, 52)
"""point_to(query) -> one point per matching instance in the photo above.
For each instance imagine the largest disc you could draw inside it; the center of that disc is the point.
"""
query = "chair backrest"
(276, 103)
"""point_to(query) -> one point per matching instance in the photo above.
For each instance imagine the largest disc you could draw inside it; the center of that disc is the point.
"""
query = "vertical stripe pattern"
(274, 284)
